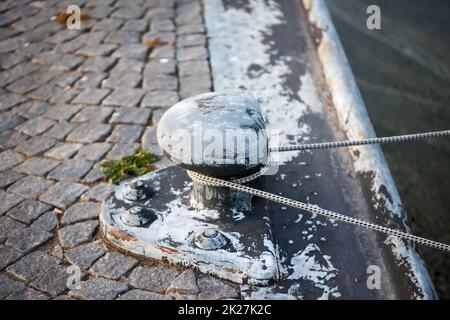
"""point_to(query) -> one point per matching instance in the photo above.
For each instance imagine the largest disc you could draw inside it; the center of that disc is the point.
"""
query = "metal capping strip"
(355, 121)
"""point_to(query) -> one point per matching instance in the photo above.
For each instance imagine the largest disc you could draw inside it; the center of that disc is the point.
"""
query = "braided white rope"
(338, 144)
(215, 182)
(236, 184)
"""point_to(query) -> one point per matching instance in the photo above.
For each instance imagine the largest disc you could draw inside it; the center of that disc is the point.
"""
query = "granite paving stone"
(163, 52)
(128, 65)
(85, 255)
(188, 12)
(48, 221)
(31, 109)
(191, 28)
(37, 166)
(27, 239)
(8, 100)
(90, 80)
(71, 45)
(35, 126)
(160, 66)
(11, 139)
(93, 114)
(94, 151)
(127, 79)
(64, 96)
(160, 99)
(131, 12)
(194, 67)
(94, 175)
(92, 37)
(98, 193)
(60, 130)
(70, 170)
(137, 294)
(155, 278)
(57, 252)
(8, 226)
(81, 211)
(125, 133)
(22, 86)
(123, 37)
(9, 120)
(28, 211)
(97, 288)
(191, 40)
(27, 294)
(30, 186)
(160, 82)
(8, 256)
(36, 145)
(131, 116)
(63, 297)
(214, 289)
(89, 132)
(9, 159)
(91, 96)
(113, 265)
(54, 281)
(8, 177)
(63, 151)
(139, 25)
(108, 24)
(195, 81)
(132, 51)
(100, 11)
(76, 234)
(63, 194)
(162, 25)
(157, 114)
(8, 200)
(124, 97)
(160, 13)
(98, 65)
(10, 60)
(97, 49)
(62, 112)
(9, 286)
(184, 284)
(68, 78)
(45, 92)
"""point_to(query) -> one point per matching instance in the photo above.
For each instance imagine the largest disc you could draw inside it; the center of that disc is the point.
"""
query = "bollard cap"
(221, 134)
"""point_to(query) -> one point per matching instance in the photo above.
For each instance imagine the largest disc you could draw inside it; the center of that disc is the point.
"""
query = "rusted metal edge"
(355, 123)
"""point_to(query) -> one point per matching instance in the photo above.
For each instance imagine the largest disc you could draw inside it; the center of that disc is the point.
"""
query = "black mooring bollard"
(164, 215)
(217, 134)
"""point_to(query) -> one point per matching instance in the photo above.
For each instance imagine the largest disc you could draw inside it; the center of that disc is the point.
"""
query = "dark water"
(403, 72)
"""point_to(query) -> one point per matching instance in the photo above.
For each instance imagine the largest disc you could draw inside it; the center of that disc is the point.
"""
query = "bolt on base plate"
(154, 216)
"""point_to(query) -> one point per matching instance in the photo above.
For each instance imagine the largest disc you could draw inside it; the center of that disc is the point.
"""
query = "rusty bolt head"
(137, 191)
(210, 239)
(138, 184)
(210, 233)
(135, 217)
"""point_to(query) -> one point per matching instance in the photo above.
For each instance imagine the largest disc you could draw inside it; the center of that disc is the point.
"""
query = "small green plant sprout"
(133, 165)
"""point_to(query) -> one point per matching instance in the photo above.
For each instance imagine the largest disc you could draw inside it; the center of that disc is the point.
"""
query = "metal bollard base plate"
(166, 225)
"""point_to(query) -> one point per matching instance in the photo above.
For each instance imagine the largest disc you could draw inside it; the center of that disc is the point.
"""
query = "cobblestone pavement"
(69, 99)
